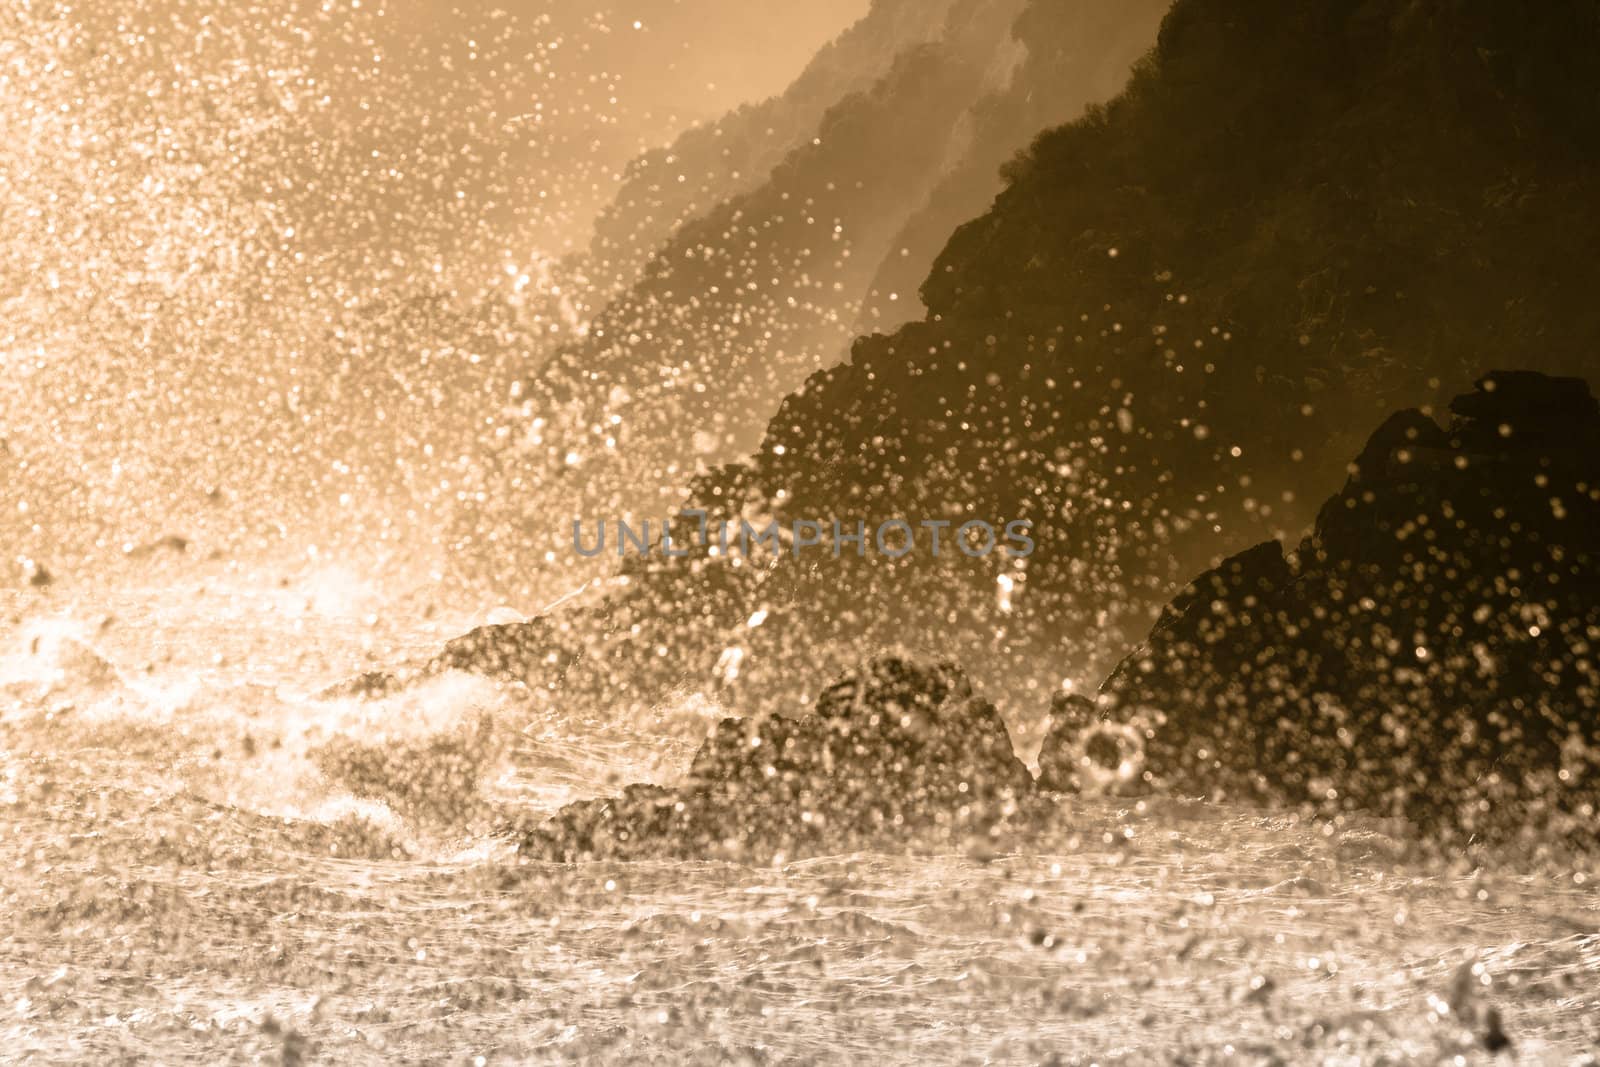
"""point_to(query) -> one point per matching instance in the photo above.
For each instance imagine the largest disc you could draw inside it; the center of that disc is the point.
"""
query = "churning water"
(202, 863)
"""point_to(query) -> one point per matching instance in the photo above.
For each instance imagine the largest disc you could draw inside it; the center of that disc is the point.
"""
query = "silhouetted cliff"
(1067, 57)
(1166, 338)
(1167, 334)
(1427, 652)
(666, 188)
(681, 371)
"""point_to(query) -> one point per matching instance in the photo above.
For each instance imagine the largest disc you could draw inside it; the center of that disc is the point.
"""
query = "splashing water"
(200, 859)
(293, 312)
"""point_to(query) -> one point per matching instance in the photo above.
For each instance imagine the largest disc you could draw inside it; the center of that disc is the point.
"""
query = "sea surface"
(201, 862)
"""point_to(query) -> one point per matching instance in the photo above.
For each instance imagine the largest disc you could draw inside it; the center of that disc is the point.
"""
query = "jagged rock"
(1235, 584)
(1527, 401)
(1071, 714)
(888, 741)
(435, 778)
(1204, 625)
(518, 651)
(1431, 652)
(525, 652)
(372, 685)
(1386, 454)
(618, 826)
(892, 748)
(891, 682)
(739, 752)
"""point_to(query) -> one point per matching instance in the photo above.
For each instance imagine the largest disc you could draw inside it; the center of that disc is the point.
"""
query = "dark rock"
(892, 749)
(616, 826)
(1085, 753)
(1527, 400)
(889, 741)
(519, 651)
(1429, 655)
(525, 652)
(1236, 584)
(1512, 411)
(373, 685)
(739, 751)
(1208, 625)
(891, 682)
(1070, 715)
(434, 778)
(1384, 455)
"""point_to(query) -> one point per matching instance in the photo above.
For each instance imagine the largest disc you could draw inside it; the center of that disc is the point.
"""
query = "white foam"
(55, 660)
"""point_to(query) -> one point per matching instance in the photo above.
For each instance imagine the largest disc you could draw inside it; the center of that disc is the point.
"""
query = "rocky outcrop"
(432, 779)
(526, 652)
(1061, 755)
(1428, 652)
(1185, 308)
(1189, 306)
(891, 749)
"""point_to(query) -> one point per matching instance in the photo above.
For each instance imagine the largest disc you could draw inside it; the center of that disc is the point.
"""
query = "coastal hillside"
(1187, 308)
(666, 188)
(1168, 336)
(681, 371)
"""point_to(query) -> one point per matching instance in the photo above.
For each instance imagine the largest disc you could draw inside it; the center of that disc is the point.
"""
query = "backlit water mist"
(1257, 335)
